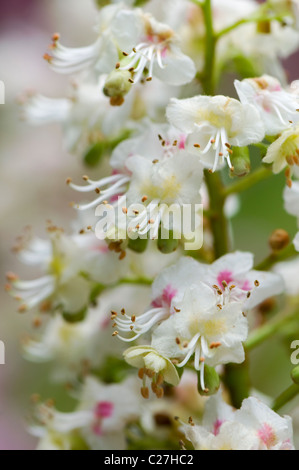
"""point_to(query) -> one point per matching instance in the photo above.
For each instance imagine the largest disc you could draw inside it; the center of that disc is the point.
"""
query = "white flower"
(148, 46)
(253, 427)
(166, 289)
(277, 107)
(86, 117)
(233, 274)
(156, 53)
(73, 348)
(288, 270)
(101, 416)
(202, 326)
(153, 172)
(291, 199)
(153, 365)
(284, 151)
(70, 264)
(214, 124)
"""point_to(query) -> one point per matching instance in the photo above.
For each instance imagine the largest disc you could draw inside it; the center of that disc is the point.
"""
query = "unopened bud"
(117, 85)
(240, 160)
(139, 245)
(264, 27)
(211, 380)
(279, 239)
(295, 375)
(166, 242)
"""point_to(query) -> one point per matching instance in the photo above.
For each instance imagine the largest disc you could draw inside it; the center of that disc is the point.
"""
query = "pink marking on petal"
(164, 52)
(166, 298)
(97, 429)
(105, 323)
(267, 435)
(104, 409)
(216, 427)
(182, 142)
(226, 276)
(246, 286)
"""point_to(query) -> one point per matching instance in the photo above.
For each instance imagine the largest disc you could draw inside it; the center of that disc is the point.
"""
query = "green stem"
(208, 79)
(218, 220)
(139, 281)
(277, 256)
(253, 19)
(248, 181)
(285, 397)
(265, 332)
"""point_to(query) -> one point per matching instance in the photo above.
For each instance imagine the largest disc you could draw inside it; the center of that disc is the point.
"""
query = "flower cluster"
(143, 112)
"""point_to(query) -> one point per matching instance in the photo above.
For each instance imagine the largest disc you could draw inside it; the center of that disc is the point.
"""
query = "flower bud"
(240, 161)
(211, 381)
(279, 239)
(139, 245)
(117, 85)
(295, 375)
(169, 244)
(264, 27)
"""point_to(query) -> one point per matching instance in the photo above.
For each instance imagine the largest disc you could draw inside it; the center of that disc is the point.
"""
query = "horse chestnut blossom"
(277, 107)
(180, 110)
(214, 125)
(254, 427)
(152, 172)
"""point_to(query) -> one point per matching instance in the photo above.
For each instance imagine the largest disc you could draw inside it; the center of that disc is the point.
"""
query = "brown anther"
(22, 308)
(175, 143)
(47, 57)
(134, 50)
(125, 54)
(131, 327)
(177, 310)
(185, 344)
(154, 387)
(82, 231)
(122, 255)
(160, 379)
(227, 145)
(220, 154)
(56, 37)
(219, 292)
(244, 314)
(131, 69)
(212, 141)
(133, 318)
(159, 392)
(11, 277)
(224, 283)
(230, 151)
(68, 180)
(288, 172)
(248, 294)
(115, 333)
(141, 373)
(202, 359)
(145, 392)
(163, 143)
(135, 211)
(177, 340)
(114, 325)
(256, 283)
(149, 79)
(131, 80)
(97, 190)
(89, 227)
(145, 198)
(232, 287)
(296, 159)
(150, 373)
(190, 421)
(36, 322)
(289, 183)
(215, 344)
(123, 311)
(279, 239)
(216, 287)
(160, 137)
(219, 306)
(197, 146)
(290, 160)
(151, 221)
(155, 161)
(85, 178)
(117, 65)
(125, 210)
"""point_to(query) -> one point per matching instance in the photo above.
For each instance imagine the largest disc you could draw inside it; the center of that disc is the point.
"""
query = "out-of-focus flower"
(86, 117)
(253, 427)
(100, 418)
